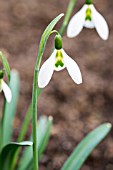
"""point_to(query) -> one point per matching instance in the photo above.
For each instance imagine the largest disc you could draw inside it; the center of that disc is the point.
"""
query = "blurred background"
(76, 109)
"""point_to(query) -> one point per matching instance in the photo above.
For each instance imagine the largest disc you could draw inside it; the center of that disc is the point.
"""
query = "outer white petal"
(89, 24)
(46, 71)
(72, 68)
(7, 91)
(76, 23)
(100, 23)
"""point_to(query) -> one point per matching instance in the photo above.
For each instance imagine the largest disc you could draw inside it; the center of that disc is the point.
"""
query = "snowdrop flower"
(4, 87)
(58, 61)
(88, 17)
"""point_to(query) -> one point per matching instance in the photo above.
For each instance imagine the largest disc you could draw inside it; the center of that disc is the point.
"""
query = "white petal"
(46, 71)
(76, 23)
(89, 24)
(100, 23)
(7, 91)
(72, 68)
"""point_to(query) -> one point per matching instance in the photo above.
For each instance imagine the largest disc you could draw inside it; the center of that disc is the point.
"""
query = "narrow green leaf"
(43, 132)
(5, 64)
(10, 109)
(8, 152)
(44, 135)
(23, 131)
(22, 135)
(86, 146)
(25, 124)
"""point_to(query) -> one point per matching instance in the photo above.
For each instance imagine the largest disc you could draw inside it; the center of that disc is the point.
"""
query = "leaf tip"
(28, 143)
(109, 125)
(62, 14)
(0, 52)
(50, 118)
(14, 71)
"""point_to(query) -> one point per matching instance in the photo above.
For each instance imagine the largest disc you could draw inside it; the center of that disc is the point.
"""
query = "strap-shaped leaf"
(43, 133)
(10, 108)
(8, 152)
(85, 147)
(5, 64)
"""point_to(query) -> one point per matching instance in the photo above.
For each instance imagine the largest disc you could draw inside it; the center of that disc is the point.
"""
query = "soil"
(76, 109)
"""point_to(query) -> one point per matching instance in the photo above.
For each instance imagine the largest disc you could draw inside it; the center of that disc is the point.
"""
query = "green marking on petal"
(88, 14)
(59, 59)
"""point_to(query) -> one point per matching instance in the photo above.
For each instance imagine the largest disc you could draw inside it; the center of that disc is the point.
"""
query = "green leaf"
(25, 124)
(10, 109)
(24, 130)
(43, 132)
(8, 152)
(45, 37)
(5, 64)
(86, 146)
(22, 135)
(43, 136)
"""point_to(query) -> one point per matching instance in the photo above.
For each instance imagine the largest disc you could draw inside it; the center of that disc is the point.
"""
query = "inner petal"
(59, 62)
(88, 14)
(88, 19)
(89, 24)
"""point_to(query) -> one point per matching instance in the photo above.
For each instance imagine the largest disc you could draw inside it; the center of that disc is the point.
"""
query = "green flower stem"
(42, 45)
(34, 110)
(34, 120)
(67, 16)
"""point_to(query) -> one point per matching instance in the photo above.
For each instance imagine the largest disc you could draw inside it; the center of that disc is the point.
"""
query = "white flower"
(58, 61)
(6, 90)
(88, 17)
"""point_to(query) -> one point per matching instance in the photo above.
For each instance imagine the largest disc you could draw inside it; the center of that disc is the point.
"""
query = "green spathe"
(1, 74)
(58, 42)
(88, 2)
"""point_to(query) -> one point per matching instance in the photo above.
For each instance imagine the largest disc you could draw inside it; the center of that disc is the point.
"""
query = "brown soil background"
(76, 109)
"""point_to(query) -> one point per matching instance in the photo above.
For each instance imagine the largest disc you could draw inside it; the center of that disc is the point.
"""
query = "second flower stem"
(67, 16)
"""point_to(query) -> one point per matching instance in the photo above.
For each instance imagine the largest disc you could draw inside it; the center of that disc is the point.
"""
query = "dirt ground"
(76, 109)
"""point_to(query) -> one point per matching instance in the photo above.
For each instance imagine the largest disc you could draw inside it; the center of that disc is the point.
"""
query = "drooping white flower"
(7, 92)
(88, 17)
(58, 61)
